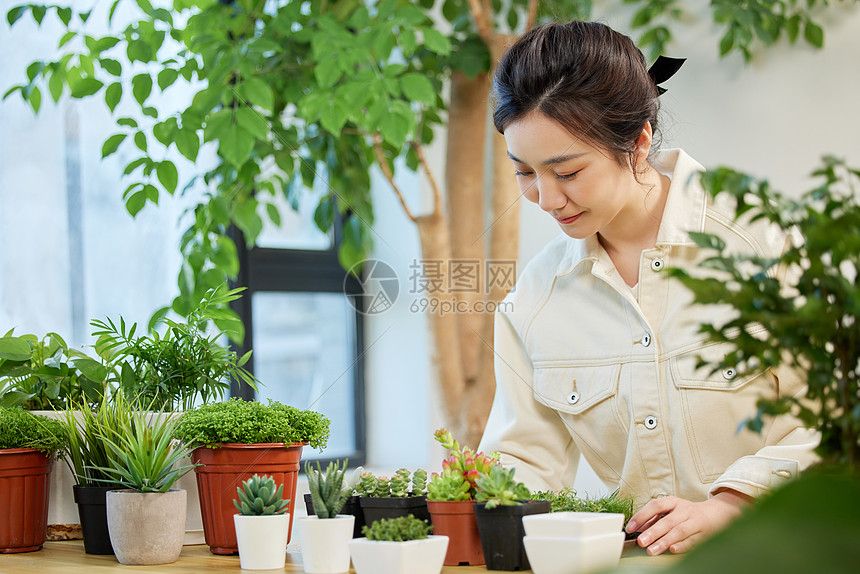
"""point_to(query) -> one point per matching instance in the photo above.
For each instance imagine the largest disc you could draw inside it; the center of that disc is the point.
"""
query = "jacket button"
(729, 374)
(657, 265)
(650, 422)
(646, 340)
(572, 398)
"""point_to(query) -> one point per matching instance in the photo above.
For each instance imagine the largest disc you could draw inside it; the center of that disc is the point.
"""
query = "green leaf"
(235, 144)
(113, 95)
(246, 218)
(14, 349)
(167, 175)
(56, 84)
(90, 368)
(15, 14)
(67, 37)
(140, 141)
(166, 77)
(111, 66)
(64, 14)
(188, 143)
(85, 87)
(437, 42)
(38, 13)
(35, 99)
(112, 143)
(333, 116)
(727, 42)
(259, 93)
(274, 214)
(141, 87)
(127, 122)
(394, 129)
(327, 72)
(814, 34)
(419, 88)
(252, 122)
(135, 203)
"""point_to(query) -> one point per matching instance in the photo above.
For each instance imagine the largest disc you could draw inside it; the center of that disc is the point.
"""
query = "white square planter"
(412, 557)
(548, 555)
(573, 524)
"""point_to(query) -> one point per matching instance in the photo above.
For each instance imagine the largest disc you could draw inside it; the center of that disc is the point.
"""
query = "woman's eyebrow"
(552, 160)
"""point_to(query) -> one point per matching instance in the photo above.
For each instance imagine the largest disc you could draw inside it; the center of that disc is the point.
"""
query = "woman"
(598, 356)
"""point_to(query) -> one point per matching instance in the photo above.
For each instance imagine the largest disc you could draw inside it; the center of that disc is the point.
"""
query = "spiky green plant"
(399, 529)
(258, 497)
(498, 488)
(327, 489)
(85, 450)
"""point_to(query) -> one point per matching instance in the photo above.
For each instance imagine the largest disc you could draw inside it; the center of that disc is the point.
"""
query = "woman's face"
(581, 186)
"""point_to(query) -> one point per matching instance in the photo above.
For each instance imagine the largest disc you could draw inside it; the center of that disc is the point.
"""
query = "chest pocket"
(575, 390)
(715, 406)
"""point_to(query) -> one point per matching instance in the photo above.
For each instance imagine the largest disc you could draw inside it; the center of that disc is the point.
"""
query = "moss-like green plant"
(498, 488)
(252, 422)
(399, 529)
(566, 500)
(23, 429)
(258, 496)
(327, 489)
(450, 485)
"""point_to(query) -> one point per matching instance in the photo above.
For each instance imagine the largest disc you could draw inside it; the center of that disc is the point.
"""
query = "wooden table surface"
(68, 557)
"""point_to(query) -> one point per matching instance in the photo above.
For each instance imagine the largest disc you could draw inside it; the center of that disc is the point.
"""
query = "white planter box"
(563, 555)
(573, 524)
(262, 541)
(412, 557)
(325, 543)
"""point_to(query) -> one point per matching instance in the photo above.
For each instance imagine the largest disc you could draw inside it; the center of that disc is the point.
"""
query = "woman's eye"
(567, 175)
(519, 173)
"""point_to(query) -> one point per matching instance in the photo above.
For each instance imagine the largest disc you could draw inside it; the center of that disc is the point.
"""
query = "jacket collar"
(684, 211)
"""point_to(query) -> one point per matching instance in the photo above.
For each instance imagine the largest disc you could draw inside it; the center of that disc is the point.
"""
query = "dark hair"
(586, 76)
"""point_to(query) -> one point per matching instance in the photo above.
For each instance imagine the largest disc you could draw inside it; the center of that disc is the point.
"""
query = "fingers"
(651, 512)
(686, 544)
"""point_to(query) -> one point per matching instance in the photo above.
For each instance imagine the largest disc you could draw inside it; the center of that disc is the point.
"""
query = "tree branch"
(482, 14)
(532, 17)
(437, 193)
(386, 171)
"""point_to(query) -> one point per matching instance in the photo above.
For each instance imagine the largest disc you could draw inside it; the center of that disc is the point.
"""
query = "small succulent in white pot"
(326, 535)
(262, 523)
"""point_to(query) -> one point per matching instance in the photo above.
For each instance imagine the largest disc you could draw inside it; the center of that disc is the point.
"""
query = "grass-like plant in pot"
(28, 444)
(567, 500)
(501, 504)
(262, 523)
(235, 439)
(401, 545)
(404, 493)
(451, 497)
(146, 518)
(326, 533)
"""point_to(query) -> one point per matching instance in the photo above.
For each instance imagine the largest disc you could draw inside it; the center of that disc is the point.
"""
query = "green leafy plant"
(810, 318)
(498, 488)
(23, 429)
(251, 422)
(366, 485)
(258, 496)
(46, 374)
(566, 500)
(419, 482)
(449, 485)
(398, 486)
(184, 364)
(328, 491)
(145, 457)
(401, 529)
(464, 460)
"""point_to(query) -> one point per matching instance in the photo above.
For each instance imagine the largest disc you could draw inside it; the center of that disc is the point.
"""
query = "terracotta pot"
(224, 470)
(146, 527)
(456, 520)
(25, 482)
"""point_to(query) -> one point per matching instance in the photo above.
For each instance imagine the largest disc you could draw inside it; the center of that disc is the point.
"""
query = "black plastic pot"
(351, 506)
(377, 508)
(92, 509)
(502, 533)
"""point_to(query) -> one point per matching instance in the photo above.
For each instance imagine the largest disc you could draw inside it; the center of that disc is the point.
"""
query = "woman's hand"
(674, 524)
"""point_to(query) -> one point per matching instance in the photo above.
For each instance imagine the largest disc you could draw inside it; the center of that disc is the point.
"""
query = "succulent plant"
(383, 487)
(366, 485)
(400, 484)
(327, 490)
(399, 529)
(258, 497)
(448, 486)
(498, 488)
(465, 460)
(419, 482)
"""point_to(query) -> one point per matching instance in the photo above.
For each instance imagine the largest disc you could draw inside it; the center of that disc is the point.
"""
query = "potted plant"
(325, 533)
(501, 504)
(86, 453)
(146, 519)
(236, 439)
(566, 500)
(262, 523)
(351, 506)
(405, 493)
(398, 546)
(451, 497)
(28, 444)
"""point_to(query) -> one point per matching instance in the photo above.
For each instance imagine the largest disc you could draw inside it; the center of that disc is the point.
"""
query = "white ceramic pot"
(262, 540)
(572, 524)
(325, 543)
(146, 528)
(557, 555)
(413, 557)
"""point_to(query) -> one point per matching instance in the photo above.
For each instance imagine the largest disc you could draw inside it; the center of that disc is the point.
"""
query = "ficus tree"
(296, 92)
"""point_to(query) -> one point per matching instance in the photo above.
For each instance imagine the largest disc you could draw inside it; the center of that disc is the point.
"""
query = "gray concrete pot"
(146, 528)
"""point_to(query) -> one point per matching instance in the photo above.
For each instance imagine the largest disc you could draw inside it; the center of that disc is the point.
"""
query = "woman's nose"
(550, 198)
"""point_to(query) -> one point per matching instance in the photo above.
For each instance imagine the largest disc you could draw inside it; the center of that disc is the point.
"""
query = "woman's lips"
(569, 220)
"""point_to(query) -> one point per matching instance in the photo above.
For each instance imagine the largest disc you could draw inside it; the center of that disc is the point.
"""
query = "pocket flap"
(689, 375)
(575, 389)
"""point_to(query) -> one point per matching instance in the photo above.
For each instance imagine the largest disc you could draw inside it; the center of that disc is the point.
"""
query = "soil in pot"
(25, 484)
(351, 507)
(92, 509)
(502, 533)
(377, 508)
(456, 520)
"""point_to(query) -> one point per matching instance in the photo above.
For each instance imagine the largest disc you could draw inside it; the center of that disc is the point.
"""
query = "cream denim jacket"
(583, 367)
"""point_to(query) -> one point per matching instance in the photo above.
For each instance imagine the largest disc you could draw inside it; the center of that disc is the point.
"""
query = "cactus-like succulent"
(327, 492)
(419, 482)
(450, 485)
(366, 485)
(498, 488)
(399, 529)
(383, 487)
(400, 484)
(258, 497)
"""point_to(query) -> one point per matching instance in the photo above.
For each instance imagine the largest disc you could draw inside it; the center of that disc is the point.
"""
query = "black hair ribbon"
(663, 69)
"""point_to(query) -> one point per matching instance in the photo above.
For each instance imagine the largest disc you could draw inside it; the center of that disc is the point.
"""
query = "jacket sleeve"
(530, 436)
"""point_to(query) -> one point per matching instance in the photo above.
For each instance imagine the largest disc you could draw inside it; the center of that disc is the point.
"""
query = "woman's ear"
(643, 144)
